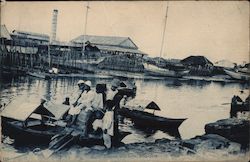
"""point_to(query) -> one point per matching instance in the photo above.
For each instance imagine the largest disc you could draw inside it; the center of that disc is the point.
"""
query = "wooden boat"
(37, 133)
(149, 120)
(32, 123)
(238, 75)
(52, 73)
(41, 124)
(37, 74)
(154, 70)
(43, 75)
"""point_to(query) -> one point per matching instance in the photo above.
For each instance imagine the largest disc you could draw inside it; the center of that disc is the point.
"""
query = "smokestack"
(54, 25)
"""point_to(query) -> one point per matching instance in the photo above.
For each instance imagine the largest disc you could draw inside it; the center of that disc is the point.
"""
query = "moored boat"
(31, 123)
(238, 75)
(157, 71)
(149, 120)
(37, 74)
(39, 124)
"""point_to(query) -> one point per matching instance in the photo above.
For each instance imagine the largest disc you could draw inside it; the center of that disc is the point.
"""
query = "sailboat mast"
(85, 27)
(164, 29)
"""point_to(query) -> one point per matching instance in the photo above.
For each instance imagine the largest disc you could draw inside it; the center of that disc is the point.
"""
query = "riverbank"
(204, 147)
(209, 147)
(105, 74)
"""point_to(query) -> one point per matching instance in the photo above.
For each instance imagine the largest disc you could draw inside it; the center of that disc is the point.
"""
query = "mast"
(164, 29)
(85, 27)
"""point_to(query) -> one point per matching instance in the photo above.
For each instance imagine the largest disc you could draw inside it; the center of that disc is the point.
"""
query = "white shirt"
(111, 94)
(83, 102)
(91, 99)
(97, 101)
(108, 122)
(88, 100)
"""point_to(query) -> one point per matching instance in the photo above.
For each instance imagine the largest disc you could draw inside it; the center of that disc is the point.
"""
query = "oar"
(57, 146)
(48, 152)
(225, 103)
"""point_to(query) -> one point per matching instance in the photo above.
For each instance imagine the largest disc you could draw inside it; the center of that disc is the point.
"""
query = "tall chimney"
(54, 25)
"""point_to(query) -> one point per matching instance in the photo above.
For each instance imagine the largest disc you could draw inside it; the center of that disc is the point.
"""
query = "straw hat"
(88, 83)
(80, 82)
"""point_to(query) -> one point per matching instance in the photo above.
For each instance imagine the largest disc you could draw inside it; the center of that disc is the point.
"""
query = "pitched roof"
(31, 35)
(58, 110)
(20, 109)
(196, 60)
(4, 33)
(105, 40)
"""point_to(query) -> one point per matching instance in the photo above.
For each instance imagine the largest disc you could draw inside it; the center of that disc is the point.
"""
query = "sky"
(216, 29)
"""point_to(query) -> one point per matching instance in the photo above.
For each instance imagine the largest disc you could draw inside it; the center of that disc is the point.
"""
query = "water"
(200, 102)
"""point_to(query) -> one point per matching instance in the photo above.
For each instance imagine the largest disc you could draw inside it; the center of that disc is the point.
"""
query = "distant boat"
(157, 71)
(37, 74)
(53, 73)
(239, 75)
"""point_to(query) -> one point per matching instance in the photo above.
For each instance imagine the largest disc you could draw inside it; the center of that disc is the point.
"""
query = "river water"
(200, 102)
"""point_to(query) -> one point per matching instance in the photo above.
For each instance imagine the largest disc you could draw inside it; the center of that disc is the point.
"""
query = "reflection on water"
(201, 102)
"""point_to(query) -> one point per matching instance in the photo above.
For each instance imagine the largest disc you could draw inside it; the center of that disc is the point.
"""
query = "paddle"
(59, 144)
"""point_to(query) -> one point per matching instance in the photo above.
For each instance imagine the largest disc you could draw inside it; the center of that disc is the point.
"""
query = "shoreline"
(208, 147)
(107, 74)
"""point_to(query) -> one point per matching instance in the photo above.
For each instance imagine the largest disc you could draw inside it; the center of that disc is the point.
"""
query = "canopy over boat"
(152, 105)
(22, 109)
(58, 110)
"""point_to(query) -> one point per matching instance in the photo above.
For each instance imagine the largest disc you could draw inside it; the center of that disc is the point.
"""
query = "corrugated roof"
(104, 40)
(4, 33)
(114, 48)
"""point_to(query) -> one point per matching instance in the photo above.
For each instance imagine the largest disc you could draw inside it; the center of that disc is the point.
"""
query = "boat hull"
(42, 75)
(38, 134)
(156, 71)
(238, 75)
(148, 120)
(42, 134)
